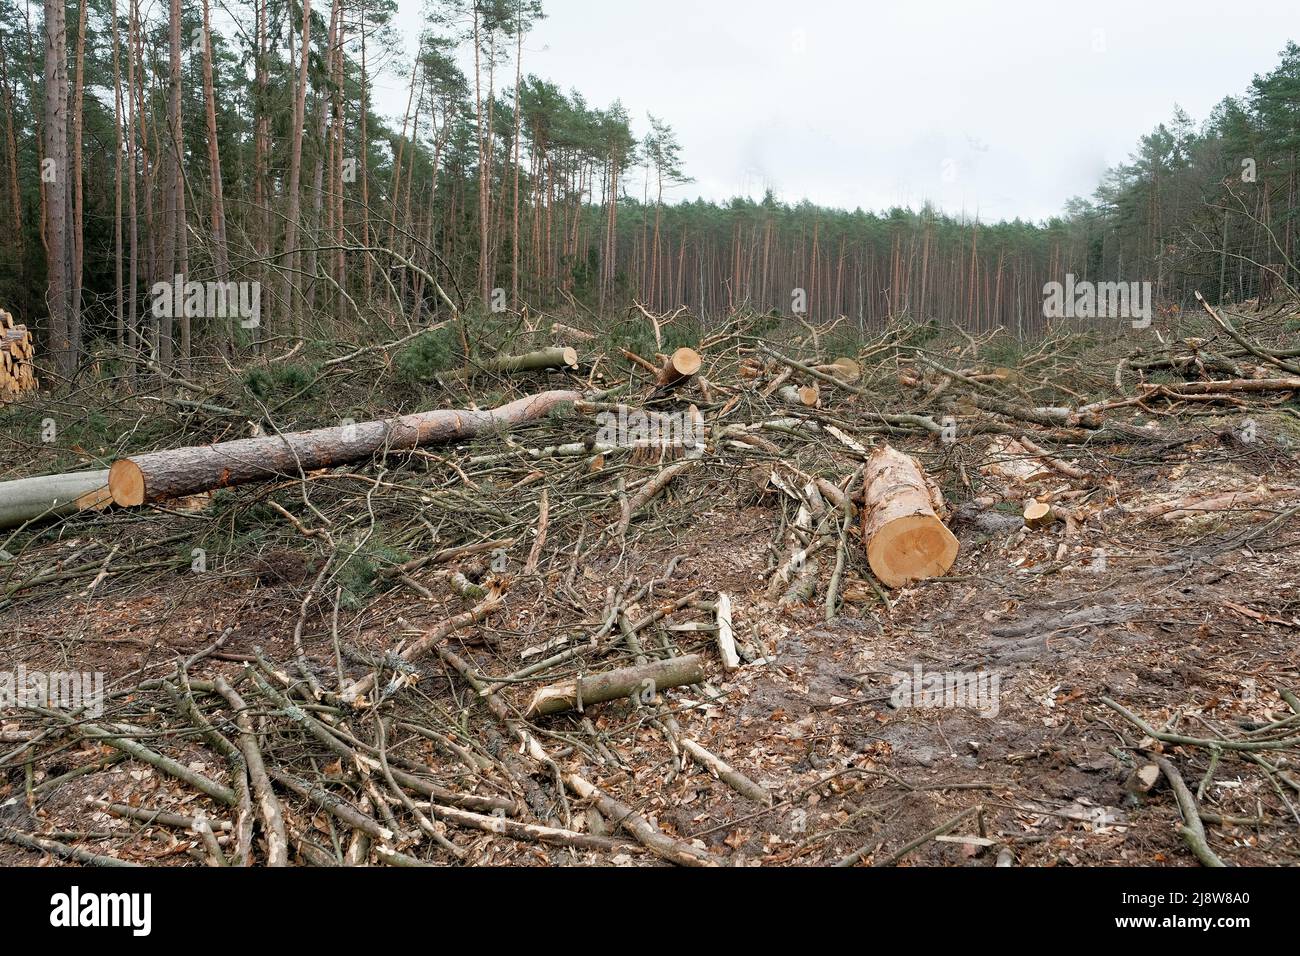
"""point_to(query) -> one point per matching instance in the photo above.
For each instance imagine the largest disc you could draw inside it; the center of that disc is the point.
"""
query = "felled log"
(805, 396)
(904, 537)
(611, 685)
(681, 365)
(561, 356)
(1244, 342)
(51, 495)
(143, 479)
(1225, 385)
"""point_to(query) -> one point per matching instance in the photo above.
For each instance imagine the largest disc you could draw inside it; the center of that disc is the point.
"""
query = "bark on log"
(805, 396)
(562, 356)
(1207, 503)
(52, 495)
(904, 538)
(143, 479)
(681, 365)
(1225, 385)
(614, 684)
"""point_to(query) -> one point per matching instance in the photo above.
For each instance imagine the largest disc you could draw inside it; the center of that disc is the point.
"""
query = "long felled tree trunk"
(186, 471)
(51, 495)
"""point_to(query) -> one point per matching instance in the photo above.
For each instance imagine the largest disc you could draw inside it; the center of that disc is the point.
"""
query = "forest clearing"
(499, 643)
(429, 488)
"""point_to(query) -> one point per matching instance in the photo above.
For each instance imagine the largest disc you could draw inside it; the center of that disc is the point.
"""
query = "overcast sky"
(1000, 109)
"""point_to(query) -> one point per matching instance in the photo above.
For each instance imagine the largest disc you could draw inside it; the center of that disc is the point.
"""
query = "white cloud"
(861, 104)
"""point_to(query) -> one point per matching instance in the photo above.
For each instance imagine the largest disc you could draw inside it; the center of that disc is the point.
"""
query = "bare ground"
(1189, 624)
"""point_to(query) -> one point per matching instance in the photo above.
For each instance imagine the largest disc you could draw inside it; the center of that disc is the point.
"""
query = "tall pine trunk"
(54, 174)
(289, 261)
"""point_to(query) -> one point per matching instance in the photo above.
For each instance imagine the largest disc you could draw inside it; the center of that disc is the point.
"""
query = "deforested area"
(405, 461)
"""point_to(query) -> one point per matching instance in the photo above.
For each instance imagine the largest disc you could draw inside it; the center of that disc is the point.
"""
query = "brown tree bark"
(143, 479)
(78, 188)
(220, 254)
(54, 174)
(366, 260)
(615, 684)
(290, 267)
(132, 327)
(118, 320)
(11, 152)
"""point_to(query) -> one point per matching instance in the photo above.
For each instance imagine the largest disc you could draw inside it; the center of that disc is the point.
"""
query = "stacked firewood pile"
(16, 351)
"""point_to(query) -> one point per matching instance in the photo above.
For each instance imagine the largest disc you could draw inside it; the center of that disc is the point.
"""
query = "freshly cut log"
(143, 479)
(682, 364)
(612, 685)
(904, 538)
(51, 495)
(562, 356)
(806, 396)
